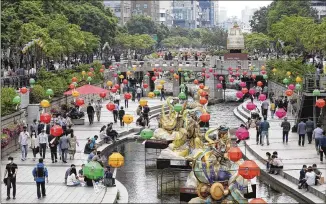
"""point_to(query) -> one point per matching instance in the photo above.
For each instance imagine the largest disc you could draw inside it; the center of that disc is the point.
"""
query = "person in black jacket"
(90, 113)
(53, 143)
(302, 179)
(121, 114)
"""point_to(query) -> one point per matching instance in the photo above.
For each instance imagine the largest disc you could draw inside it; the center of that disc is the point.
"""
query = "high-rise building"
(166, 13)
(223, 15)
(121, 9)
(206, 13)
(320, 6)
(246, 17)
(216, 12)
(185, 13)
(146, 8)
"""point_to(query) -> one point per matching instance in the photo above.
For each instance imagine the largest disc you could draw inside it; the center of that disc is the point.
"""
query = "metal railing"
(311, 82)
(15, 81)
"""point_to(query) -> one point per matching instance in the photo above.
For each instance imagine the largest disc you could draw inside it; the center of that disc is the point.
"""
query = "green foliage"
(259, 20)
(256, 41)
(57, 84)
(7, 106)
(176, 42)
(37, 94)
(135, 42)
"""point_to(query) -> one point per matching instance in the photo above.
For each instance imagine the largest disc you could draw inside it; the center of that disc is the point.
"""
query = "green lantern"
(178, 107)
(182, 96)
(16, 100)
(75, 84)
(285, 81)
(265, 76)
(316, 92)
(157, 92)
(31, 81)
(118, 72)
(129, 68)
(89, 79)
(182, 86)
(146, 76)
(298, 87)
(185, 74)
(146, 134)
(49, 92)
(187, 79)
(93, 170)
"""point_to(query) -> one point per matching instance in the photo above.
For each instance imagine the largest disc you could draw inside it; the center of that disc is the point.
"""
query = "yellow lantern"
(128, 118)
(162, 82)
(121, 76)
(151, 95)
(116, 160)
(109, 83)
(274, 70)
(200, 91)
(298, 79)
(263, 68)
(251, 68)
(45, 104)
(288, 74)
(83, 73)
(143, 102)
(128, 73)
(159, 87)
(75, 93)
(180, 69)
(134, 68)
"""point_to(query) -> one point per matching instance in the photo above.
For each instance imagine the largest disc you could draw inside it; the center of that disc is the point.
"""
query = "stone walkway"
(56, 190)
(292, 155)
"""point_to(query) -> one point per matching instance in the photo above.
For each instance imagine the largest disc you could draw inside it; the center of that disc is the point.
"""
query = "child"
(121, 114)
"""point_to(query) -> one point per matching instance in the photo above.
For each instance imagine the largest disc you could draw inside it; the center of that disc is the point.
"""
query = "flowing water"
(141, 180)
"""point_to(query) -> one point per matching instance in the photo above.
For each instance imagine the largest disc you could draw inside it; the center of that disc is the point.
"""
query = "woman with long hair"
(73, 143)
(34, 144)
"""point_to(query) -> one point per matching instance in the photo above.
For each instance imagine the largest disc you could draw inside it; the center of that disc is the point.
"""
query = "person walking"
(264, 127)
(43, 141)
(286, 128)
(64, 145)
(264, 107)
(34, 127)
(146, 110)
(258, 131)
(90, 112)
(310, 125)
(163, 94)
(117, 98)
(121, 114)
(10, 177)
(23, 140)
(272, 108)
(98, 108)
(40, 173)
(126, 102)
(139, 91)
(115, 112)
(53, 143)
(34, 144)
(73, 143)
(302, 132)
(317, 135)
(322, 149)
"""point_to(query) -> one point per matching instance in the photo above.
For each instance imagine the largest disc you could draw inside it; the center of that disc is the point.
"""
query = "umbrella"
(93, 170)
(87, 89)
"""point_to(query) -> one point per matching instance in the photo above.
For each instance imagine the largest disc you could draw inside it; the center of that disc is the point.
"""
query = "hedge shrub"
(7, 106)
(37, 94)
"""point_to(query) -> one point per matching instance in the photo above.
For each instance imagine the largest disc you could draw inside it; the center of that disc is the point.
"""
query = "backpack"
(40, 172)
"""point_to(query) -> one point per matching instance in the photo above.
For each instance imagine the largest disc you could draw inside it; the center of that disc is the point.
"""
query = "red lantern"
(203, 74)
(243, 84)
(80, 102)
(117, 86)
(239, 94)
(159, 69)
(204, 69)
(114, 89)
(72, 86)
(201, 86)
(262, 97)
(101, 70)
(153, 78)
(253, 76)
(125, 81)
(45, 118)
(230, 72)
(56, 130)
(154, 69)
(263, 72)
(103, 95)
(244, 90)
(127, 96)
(157, 74)
(145, 86)
(289, 92)
(205, 117)
(110, 106)
(207, 76)
(252, 91)
(258, 201)
(203, 93)
(74, 79)
(259, 83)
(196, 81)
(203, 100)
(210, 69)
(221, 78)
(219, 86)
(320, 103)
(171, 70)
(235, 154)
(231, 79)
(242, 133)
(249, 169)
(90, 74)
(245, 73)
(251, 106)
(23, 90)
(280, 113)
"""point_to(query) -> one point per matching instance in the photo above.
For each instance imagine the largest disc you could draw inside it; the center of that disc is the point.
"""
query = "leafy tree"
(259, 20)
(256, 41)
(141, 25)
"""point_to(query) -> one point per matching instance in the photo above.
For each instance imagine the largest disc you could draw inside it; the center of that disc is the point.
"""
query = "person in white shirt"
(310, 178)
(98, 108)
(23, 141)
(138, 91)
(277, 163)
(72, 180)
(117, 99)
(43, 141)
(34, 144)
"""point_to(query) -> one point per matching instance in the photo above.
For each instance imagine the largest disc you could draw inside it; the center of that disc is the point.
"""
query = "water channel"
(141, 181)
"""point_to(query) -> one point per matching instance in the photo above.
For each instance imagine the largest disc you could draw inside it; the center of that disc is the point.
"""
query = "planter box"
(80, 121)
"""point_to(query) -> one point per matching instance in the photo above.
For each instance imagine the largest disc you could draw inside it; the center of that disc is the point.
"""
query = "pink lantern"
(291, 87)
(243, 84)
(159, 69)
(263, 72)
(204, 69)
(203, 74)
(215, 74)
(221, 78)
(207, 76)
(115, 75)
(237, 74)
(210, 69)
(262, 97)
(237, 69)
(171, 70)
(251, 106)
(230, 68)
(245, 73)
(280, 113)
(252, 91)
(242, 133)
(219, 86)
(230, 72)
(239, 94)
(231, 79)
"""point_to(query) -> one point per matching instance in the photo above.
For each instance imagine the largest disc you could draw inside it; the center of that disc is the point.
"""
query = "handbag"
(37, 150)
(5, 180)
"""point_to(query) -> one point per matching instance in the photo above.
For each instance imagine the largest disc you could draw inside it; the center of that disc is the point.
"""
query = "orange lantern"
(128, 119)
(205, 117)
(74, 79)
(23, 90)
(203, 100)
(201, 86)
(176, 76)
(289, 92)
(258, 201)
(320, 103)
(235, 154)
(80, 102)
(90, 74)
(244, 90)
(203, 93)
(101, 70)
(259, 83)
(72, 86)
(249, 169)
(196, 81)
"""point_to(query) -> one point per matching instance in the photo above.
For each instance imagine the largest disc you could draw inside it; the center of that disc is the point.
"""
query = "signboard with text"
(235, 40)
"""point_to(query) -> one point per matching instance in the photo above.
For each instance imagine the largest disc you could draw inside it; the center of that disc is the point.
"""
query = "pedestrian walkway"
(292, 155)
(56, 190)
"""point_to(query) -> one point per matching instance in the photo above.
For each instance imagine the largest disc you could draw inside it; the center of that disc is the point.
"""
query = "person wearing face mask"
(10, 177)
(34, 144)
(44, 142)
(23, 141)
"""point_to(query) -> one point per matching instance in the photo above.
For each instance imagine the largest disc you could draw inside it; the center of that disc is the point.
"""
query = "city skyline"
(234, 8)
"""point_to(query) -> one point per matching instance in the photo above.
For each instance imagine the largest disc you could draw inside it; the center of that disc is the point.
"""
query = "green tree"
(141, 25)
(259, 20)
(256, 41)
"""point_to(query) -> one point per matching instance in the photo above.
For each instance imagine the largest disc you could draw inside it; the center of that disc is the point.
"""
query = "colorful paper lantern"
(109, 83)
(177, 107)
(159, 87)
(196, 81)
(280, 113)
(244, 73)
(239, 94)
(252, 91)
(291, 87)
(203, 69)
(176, 76)
(153, 78)
(90, 74)
(235, 154)
(258, 201)
(16, 100)
(262, 97)
(114, 90)
(171, 70)
(89, 79)
(205, 117)
(242, 84)
(285, 81)
(251, 106)
(289, 92)
(162, 82)
(231, 79)
(71, 86)
(127, 118)
(103, 94)
(91, 69)
(265, 76)
(116, 160)
(74, 79)
(142, 102)
(201, 86)
(110, 106)
(45, 118)
(288, 74)
(230, 68)
(75, 93)
(259, 83)
(45, 104)
(80, 101)
(203, 100)
(298, 79)
(182, 96)
(121, 76)
(145, 86)
(316, 92)
(203, 93)
(83, 73)
(115, 75)
(249, 169)
(156, 92)
(56, 130)
(128, 73)
(221, 78)
(134, 68)
(146, 134)
(242, 133)
(298, 87)
(230, 72)
(244, 90)
(151, 94)
(23, 90)
(210, 69)
(101, 70)
(207, 76)
(31, 81)
(119, 72)
(127, 96)
(274, 71)
(320, 103)
(219, 86)
(49, 92)
(157, 74)
(125, 81)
